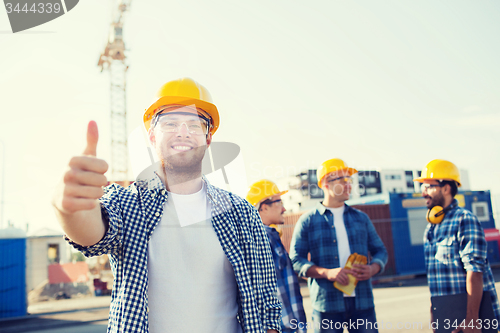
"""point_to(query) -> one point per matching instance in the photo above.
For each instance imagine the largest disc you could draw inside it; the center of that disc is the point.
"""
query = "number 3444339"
(39, 8)
(479, 324)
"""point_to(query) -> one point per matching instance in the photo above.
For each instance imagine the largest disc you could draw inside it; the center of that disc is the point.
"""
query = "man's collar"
(322, 209)
(154, 183)
(453, 204)
(272, 231)
(150, 180)
(211, 191)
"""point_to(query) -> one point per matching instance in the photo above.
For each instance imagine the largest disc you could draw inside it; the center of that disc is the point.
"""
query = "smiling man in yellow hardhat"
(176, 243)
(454, 245)
(330, 233)
(266, 197)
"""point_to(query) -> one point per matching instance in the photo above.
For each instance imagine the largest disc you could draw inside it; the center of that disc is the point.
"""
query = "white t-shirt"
(342, 239)
(192, 287)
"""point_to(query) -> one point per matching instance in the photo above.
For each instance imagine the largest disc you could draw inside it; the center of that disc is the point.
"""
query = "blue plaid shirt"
(314, 233)
(454, 247)
(288, 284)
(135, 211)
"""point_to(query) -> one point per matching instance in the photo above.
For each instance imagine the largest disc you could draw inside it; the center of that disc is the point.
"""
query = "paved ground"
(69, 305)
(401, 305)
(73, 322)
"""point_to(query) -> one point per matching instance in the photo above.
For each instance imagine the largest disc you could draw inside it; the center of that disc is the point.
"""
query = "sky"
(382, 85)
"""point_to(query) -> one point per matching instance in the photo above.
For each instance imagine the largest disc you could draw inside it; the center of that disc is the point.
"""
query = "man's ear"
(325, 184)
(209, 139)
(447, 189)
(151, 136)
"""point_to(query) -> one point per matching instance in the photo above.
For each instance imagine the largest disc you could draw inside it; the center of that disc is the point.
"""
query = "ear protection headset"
(275, 227)
(436, 214)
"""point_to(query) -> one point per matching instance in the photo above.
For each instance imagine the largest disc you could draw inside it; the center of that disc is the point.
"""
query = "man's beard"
(436, 200)
(340, 190)
(184, 169)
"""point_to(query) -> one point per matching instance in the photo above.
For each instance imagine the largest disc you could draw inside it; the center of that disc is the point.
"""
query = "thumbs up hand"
(92, 138)
(83, 180)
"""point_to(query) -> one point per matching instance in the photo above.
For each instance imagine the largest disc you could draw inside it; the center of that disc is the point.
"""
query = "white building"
(44, 247)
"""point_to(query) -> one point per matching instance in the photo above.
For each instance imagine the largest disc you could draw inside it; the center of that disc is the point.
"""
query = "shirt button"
(157, 214)
(336, 257)
(334, 240)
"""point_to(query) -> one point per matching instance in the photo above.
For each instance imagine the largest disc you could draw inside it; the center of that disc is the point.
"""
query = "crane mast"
(113, 59)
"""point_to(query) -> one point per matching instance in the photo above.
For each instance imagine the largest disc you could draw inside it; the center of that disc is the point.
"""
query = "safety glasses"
(341, 180)
(172, 123)
(269, 202)
(426, 187)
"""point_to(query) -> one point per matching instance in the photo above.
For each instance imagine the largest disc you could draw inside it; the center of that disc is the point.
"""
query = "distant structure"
(368, 186)
(44, 247)
(113, 59)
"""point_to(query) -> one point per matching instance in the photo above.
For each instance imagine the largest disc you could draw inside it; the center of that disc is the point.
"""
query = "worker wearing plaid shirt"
(130, 223)
(266, 197)
(329, 234)
(454, 244)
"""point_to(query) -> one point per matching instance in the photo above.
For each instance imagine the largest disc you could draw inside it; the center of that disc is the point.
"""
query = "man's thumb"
(92, 138)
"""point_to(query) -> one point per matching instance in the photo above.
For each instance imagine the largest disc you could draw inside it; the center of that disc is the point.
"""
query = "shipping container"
(12, 273)
(380, 216)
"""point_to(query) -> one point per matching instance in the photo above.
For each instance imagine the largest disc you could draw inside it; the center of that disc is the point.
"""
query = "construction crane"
(113, 59)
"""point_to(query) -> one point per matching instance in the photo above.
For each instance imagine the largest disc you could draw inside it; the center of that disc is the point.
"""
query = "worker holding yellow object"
(354, 259)
(330, 233)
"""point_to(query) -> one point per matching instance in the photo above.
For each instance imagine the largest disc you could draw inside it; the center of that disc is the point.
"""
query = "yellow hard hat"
(183, 91)
(261, 190)
(333, 165)
(440, 170)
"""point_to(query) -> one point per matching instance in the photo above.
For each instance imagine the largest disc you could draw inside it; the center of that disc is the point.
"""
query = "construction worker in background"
(186, 256)
(266, 197)
(330, 233)
(454, 244)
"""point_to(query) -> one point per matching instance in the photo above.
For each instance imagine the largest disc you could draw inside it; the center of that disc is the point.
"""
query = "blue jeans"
(362, 321)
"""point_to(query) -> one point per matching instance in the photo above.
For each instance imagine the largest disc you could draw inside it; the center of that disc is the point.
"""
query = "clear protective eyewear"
(426, 186)
(170, 123)
(341, 180)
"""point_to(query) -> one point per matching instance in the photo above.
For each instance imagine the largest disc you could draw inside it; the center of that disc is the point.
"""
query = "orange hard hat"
(262, 190)
(440, 170)
(184, 92)
(333, 165)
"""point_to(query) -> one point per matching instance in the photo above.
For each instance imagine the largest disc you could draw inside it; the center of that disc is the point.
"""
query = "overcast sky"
(380, 84)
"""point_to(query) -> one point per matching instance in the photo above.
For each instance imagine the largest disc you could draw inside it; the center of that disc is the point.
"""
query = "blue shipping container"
(12, 277)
